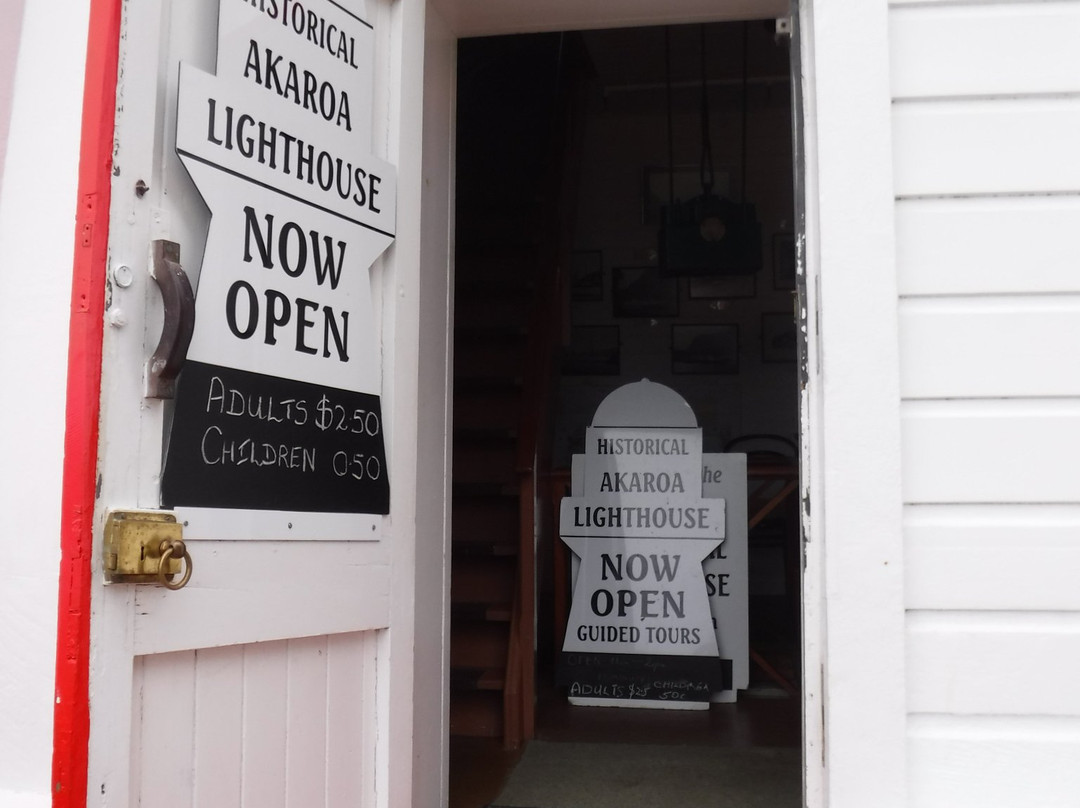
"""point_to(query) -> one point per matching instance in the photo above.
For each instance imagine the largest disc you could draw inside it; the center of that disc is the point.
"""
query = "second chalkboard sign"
(645, 677)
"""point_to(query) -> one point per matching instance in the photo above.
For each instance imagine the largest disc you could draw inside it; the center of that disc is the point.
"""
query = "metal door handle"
(170, 550)
(179, 301)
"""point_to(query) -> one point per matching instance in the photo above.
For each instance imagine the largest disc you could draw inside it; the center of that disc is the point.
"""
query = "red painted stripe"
(71, 717)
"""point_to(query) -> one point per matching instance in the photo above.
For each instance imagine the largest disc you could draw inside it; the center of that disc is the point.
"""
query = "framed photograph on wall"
(778, 337)
(710, 349)
(720, 287)
(593, 351)
(783, 260)
(643, 292)
(586, 275)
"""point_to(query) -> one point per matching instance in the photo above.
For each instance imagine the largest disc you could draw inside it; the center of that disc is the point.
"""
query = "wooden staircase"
(511, 237)
(489, 356)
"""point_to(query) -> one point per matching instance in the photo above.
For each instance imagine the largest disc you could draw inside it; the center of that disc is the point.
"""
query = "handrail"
(545, 319)
(512, 684)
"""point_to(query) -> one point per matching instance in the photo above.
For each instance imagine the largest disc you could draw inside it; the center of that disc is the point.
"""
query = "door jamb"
(810, 403)
(853, 657)
(71, 711)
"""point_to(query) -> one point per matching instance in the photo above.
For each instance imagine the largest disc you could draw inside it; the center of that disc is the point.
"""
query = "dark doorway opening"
(568, 146)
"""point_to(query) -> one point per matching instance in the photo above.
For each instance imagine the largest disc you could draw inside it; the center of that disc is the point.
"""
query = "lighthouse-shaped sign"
(278, 414)
(640, 630)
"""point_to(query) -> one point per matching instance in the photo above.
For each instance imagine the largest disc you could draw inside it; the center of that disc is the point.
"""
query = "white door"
(282, 674)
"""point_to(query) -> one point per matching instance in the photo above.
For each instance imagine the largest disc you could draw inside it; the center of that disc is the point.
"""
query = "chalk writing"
(636, 676)
(243, 439)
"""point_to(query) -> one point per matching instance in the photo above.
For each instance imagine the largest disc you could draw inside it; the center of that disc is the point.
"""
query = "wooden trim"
(854, 641)
(513, 717)
(526, 633)
(71, 714)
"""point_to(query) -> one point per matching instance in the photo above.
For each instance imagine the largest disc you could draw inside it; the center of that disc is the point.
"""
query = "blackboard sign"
(646, 677)
(247, 440)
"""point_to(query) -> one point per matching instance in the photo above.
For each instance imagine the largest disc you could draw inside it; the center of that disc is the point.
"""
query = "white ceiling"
(485, 17)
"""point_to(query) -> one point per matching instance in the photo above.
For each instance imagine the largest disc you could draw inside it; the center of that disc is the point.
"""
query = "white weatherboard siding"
(993, 760)
(986, 118)
(992, 557)
(988, 245)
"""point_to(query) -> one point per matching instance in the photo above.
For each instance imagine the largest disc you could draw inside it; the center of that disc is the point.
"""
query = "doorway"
(569, 147)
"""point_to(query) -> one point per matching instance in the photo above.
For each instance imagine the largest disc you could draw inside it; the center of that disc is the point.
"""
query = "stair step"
(472, 333)
(484, 547)
(476, 714)
(485, 463)
(477, 679)
(479, 645)
(485, 491)
(491, 231)
(484, 520)
(494, 286)
(500, 264)
(487, 409)
(482, 579)
(487, 384)
(486, 445)
(504, 313)
(485, 439)
(491, 356)
(482, 612)
(485, 436)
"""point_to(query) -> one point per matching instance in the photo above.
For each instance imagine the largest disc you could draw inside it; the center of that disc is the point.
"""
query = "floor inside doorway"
(758, 735)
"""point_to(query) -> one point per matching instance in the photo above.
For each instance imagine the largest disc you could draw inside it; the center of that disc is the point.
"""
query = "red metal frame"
(71, 716)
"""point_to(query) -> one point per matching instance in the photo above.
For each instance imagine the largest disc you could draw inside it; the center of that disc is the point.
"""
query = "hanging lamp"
(708, 234)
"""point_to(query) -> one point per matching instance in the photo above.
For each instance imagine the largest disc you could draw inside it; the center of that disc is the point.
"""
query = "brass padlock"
(145, 547)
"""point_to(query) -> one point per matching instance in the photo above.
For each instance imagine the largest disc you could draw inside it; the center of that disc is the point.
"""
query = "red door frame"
(71, 714)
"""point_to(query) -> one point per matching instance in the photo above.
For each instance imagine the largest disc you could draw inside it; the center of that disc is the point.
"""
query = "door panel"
(279, 724)
(268, 680)
(162, 770)
(239, 594)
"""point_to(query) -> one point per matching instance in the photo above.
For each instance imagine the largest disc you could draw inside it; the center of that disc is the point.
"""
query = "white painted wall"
(37, 225)
(9, 53)
(985, 122)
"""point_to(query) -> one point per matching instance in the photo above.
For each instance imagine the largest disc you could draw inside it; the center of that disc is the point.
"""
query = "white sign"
(651, 461)
(726, 568)
(640, 596)
(641, 528)
(278, 145)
